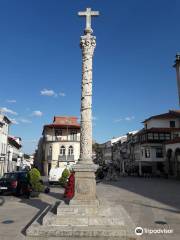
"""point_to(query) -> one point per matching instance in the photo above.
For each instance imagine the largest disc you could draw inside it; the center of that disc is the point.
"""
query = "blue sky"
(133, 77)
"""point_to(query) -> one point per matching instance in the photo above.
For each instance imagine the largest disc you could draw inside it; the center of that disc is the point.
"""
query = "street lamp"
(177, 66)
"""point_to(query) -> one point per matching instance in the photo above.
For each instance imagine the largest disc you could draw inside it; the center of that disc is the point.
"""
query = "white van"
(55, 174)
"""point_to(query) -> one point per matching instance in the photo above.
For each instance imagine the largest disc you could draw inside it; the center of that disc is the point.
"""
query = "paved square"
(152, 203)
(149, 202)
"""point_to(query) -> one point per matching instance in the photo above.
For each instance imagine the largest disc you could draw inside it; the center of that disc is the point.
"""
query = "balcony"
(66, 158)
(61, 139)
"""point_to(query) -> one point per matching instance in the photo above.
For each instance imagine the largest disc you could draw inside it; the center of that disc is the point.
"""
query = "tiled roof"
(64, 121)
(168, 115)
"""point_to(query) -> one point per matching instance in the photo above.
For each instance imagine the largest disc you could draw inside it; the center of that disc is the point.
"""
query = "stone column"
(177, 66)
(87, 44)
(85, 184)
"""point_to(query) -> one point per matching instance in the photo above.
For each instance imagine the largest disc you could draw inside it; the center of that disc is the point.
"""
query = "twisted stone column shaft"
(87, 44)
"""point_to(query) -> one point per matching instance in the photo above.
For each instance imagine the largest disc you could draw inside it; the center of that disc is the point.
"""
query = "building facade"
(13, 153)
(150, 145)
(4, 131)
(154, 150)
(60, 144)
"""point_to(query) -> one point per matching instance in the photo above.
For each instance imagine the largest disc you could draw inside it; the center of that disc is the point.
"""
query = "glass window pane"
(156, 136)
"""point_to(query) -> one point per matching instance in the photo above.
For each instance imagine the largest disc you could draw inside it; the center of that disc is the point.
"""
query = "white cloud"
(24, 120)
(62, 94)
(37, 113)
(48, 92)
(6, 110)
(11, 101)
(14, 121)
(129, 118)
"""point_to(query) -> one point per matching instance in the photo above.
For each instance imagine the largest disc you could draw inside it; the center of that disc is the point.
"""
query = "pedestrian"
(69, 189)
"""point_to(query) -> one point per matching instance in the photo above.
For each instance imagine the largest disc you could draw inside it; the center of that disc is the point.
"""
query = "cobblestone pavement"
(152, 204)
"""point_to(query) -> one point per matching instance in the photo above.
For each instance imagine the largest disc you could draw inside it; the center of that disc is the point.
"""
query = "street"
(152, 204)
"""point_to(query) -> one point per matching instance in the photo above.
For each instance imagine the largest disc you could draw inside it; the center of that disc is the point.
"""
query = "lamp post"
(177, 66)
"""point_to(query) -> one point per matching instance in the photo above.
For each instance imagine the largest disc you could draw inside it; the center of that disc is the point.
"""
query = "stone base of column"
(85, 217)
(82, 222)
(85, 184)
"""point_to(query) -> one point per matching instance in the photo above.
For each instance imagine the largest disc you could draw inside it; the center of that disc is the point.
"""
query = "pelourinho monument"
(86, 216)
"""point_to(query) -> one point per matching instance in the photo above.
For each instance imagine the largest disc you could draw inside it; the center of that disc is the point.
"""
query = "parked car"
(16, 183)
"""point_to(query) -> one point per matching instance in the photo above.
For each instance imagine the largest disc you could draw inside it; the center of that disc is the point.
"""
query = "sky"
(40, 63)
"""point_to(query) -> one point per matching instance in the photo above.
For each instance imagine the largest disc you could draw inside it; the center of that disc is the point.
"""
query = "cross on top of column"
(88, 14)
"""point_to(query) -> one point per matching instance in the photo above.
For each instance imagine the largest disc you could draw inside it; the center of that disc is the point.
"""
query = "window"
(135, 139)
(50, 151)
(156, 136)
(143, 137)
(172, 124)
(159, 152)
(175, 135)
(161, 136)
(58, 132)
(167, 136)
(73, 135)
(63, 150)
(150, 136)
(142, 152)
(70, 150)
(147, 152)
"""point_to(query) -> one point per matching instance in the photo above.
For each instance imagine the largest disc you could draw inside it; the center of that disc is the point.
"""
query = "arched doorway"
(177, 162)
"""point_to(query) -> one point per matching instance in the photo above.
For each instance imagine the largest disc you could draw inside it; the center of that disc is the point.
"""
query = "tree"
(35, 180)
(64, 178)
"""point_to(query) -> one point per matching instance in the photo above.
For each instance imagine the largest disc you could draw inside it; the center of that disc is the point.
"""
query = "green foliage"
(35, 180)
(64, 178)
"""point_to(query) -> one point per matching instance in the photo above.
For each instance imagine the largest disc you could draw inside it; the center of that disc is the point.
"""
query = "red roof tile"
(63, 122)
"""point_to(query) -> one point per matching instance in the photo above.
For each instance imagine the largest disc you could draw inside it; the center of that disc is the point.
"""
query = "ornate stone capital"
(88, 44)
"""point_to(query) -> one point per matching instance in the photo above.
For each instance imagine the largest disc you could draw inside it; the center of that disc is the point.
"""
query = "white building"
(60, 145)
(150, 145)
(13, 153)
(4, 131)
(107, 149)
